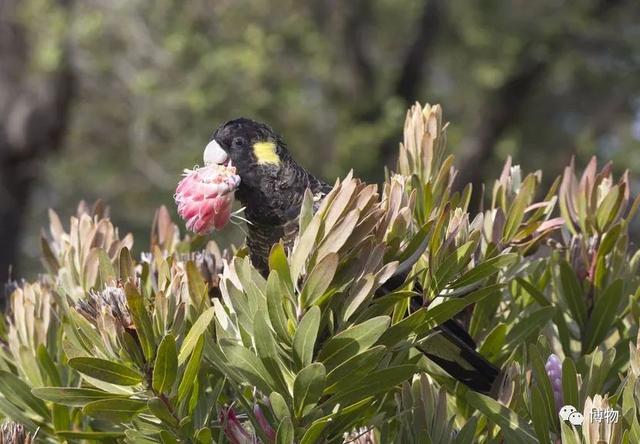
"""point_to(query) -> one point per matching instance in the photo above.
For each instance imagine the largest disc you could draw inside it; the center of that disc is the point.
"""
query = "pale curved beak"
(214, 154)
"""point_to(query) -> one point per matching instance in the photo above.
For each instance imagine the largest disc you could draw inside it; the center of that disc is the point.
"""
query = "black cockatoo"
(272, 186)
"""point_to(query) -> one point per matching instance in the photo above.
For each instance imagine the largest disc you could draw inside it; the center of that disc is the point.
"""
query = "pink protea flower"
(205, 196)
(554, 371)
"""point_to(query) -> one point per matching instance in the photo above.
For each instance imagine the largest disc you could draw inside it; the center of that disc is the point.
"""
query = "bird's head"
(253, 148)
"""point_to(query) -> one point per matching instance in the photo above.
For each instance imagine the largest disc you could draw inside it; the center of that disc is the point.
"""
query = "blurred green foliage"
(157, 77)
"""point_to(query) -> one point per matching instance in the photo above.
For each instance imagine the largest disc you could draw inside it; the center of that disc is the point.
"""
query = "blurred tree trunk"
(34, 119)
(504, 105)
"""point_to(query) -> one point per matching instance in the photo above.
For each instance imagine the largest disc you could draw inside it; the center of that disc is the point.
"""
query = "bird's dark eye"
(238, 142)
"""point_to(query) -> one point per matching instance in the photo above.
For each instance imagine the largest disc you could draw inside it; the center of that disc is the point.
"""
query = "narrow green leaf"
(106, 371)
(141, 320)
(249, 366)
(196, 285)
(107, 273)
(604, 315)
(305, 337)
(503, 417)
(114, 410)
(308, 387)
(279, 405)
(319, 280)
(191, 371)
(19, 393)
(89, 436)
(356, 368)
(127, 270)
(352, 341)
(197, 330)
(378, 382)
(160, 410)
(285, 434)
(570, 392)
(539, 415)
(166, 365)
(516, 211)
(468, 431)
(573, 294)
(485, 269)
(534, 322)
(75, 397)
(267, 351)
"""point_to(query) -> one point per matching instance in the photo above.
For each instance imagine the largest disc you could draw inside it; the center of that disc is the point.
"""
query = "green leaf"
(114, 410)
(278, 262)
(468, 431)
(603, 316)
(127, 270)
(517, 209)
(314, 432)
(305, 337)
(308, 387)
(107, 273)
(573, 294)
(279, 405)
(74, 397)
(196, 285)
(503, 417)
(106, 371)
(354, 369)
(276, 297)
(267, 351)
(377, 382)
(570, 391)
(539, 415)
(197, 329)
(485, 269)
(161, 411)
(352, 341)
(536, 294)
(166, 365)
(319, 280)
(250, 366)
(543, 383)
(608, 208)
(48, 366)
(191, 371)
(19, 393)
(534, 322)
(89, 436)
(446, 310)
(285, 434)
(141, 319)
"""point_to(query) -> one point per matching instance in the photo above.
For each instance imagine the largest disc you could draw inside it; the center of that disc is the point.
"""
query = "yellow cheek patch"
(266, 152)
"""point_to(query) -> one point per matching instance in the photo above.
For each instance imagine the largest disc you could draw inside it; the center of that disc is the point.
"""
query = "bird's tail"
(452, 349)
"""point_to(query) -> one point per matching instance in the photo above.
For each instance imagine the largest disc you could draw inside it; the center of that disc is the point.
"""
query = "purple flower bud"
(233, 429)
(264, 424)
(554, 371)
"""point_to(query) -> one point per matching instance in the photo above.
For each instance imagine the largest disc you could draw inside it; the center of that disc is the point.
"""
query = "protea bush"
(179, 341)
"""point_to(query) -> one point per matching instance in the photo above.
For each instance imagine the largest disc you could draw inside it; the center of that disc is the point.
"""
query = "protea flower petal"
(205, 196)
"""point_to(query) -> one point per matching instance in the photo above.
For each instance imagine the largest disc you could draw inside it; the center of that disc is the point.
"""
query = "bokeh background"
(111, 99)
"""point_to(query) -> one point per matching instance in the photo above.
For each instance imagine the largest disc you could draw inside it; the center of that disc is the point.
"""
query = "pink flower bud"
(233, 429)
(264, 424)
(205, 196)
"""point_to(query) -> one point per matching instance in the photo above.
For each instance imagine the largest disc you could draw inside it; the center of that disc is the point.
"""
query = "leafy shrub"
(185, 343)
